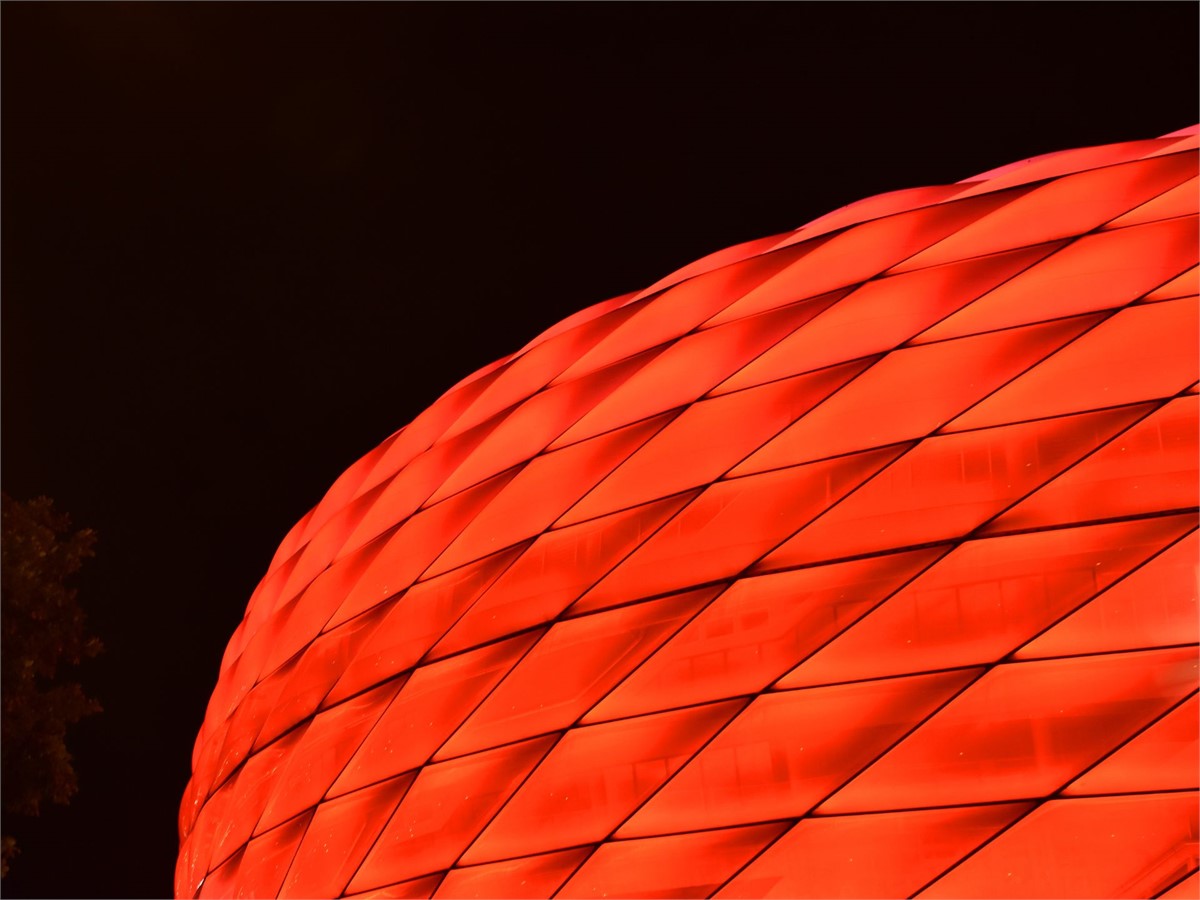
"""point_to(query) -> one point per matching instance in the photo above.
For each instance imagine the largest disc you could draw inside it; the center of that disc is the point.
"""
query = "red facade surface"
(858, 561)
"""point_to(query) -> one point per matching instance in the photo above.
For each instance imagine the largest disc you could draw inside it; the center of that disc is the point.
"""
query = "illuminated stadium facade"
(856, 561)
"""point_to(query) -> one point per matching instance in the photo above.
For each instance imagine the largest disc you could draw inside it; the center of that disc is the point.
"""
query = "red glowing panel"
(855, 561)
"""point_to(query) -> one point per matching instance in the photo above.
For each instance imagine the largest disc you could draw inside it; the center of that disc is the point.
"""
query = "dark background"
(243, 243)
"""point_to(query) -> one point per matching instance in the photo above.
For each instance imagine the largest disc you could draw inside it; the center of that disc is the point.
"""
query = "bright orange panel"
(1023, 730)
(790, 750)
(679, 865)
(528, 878)
(690, 367)
(1181, 200)
(1102, 847)
(553, 572)
(316, 759)
(1068, 206)
(1186, 285)
(757, 630)
(1141, 353)
(863, 252)
(986, 598)
(312, 678)
(575, 664)
(594, 778)
(731, 524)
(882, 855)
(882, 314)
(707, 439)
(447, 806)
(266, 859)
(1186, 889)
(1153, 607)
(949, 485)
(413, 622)
(1099, 271)
(1163, 757)
(414, 545)
(341, 833)
(427, 710)
(415, 889)
(1152, 467)
(530, 427)
(911, 393)
(682, 307)
(542, 491)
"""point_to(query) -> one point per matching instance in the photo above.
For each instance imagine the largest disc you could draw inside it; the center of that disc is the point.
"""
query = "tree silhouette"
(43, 632)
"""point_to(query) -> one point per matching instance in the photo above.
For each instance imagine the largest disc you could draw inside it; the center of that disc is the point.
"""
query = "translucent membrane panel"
(532, 370)
(949, 485)
(682, 307)
(1186, 285)
(678, 865)
(713, 261)
(295, 624)
(1181, 200)
(1163, 757)
(882, 314)
(542, 490)
(1064, 162)
(414, 545)
(572, 667)
(237, 805)
(1023, 730)
(414, 889)
(412, 623)
(427, 710)
(537, 421)
(707, 439)
(594, 779)
(224, 881)
(790, 750)
(529, 878)
(880, 205)
(1154, 607)
(337, 840)
(325, 546)
(912, 392)
(558, 567)
(986, 598)
(404, 494)
(1186, 889)
(1101, 847)
(265, 862)
(1149, 468)
(1070, 206)
(447, 806)
(731, 525)
(863, 252)
(1099, 271)
(758, 629)
(690, 367)
(1141, 353)
(315, 762)
(313, 677)
(883, 855)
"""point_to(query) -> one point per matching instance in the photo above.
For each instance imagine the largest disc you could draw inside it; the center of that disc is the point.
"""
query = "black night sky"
(243, 243)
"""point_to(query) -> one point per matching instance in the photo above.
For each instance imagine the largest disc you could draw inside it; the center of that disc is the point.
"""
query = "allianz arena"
(858, 561)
